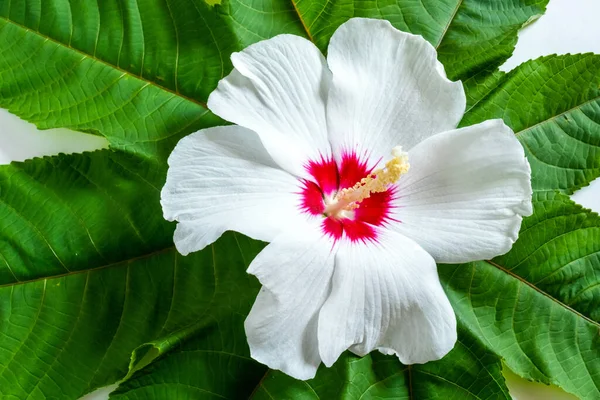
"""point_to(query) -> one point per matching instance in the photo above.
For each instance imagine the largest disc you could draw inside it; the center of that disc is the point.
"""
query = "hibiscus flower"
(355, 224)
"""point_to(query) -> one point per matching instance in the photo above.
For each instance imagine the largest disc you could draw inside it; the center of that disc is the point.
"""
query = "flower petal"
(388, 89)
(386, 295)
(278, 89)
(466, 193)
(222, 179)
(295, 270)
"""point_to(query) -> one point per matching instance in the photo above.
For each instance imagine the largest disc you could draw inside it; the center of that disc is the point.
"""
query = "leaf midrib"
(554, 117)
(437, 45)
(306, 28)
(452, 17)
(543, 293)
(85, 271)
(99, 60)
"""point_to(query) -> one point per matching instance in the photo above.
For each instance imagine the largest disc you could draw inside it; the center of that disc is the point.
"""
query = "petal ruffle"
(295, 270)
(279, 89)
(465, 194)
(388, 89)
(386, 295)
(222, 179)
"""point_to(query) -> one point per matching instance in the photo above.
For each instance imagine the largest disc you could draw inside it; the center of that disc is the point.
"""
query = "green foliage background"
(92, 290)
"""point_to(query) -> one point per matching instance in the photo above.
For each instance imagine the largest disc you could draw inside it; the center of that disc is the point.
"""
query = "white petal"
(465, 194)
(386, 295)
(278, 89)
(388, 89)
(222, 179)
(295, 270)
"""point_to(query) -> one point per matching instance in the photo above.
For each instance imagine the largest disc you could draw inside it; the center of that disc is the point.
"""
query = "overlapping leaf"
(469, 372)
(89, 273)
(470, 35)
(89, 277)
(536, 307)
(66, 214)
(553, 105)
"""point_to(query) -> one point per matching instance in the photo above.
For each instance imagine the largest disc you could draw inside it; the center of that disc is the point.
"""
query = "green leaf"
(560, 244)
(214, 364)
(482, 35)
(64, 333)
(69, 88)
(87, 275)
(480, 85)
(470, 35)
(138, 73)
(545, 290)
(469, 372)
(64, 214)
(253, 21)
(61, 216)
(553, 105)
(544, 297)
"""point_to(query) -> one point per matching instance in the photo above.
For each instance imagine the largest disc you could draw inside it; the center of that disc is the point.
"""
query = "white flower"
(348, 269)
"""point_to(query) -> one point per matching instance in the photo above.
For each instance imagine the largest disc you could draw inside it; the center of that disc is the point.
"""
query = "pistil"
(376, 182)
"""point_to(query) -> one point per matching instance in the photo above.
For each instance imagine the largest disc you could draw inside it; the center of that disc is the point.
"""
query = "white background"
(569, 26)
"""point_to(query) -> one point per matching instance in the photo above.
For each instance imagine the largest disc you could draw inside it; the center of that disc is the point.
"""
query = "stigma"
(349, 199)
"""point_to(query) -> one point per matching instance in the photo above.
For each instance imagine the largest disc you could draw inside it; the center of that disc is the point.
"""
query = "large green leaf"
(470, 372)
(560, 244)
(544, 297)
(553, 105)
(138, 73)
(88, 275)
(470, 35)
(64, 214)
(215, 363)
(63, 336)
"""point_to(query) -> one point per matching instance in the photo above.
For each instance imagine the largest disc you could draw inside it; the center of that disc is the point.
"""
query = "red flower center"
(327, 179)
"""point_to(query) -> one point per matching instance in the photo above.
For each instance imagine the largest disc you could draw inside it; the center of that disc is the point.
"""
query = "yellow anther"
(376, 182)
